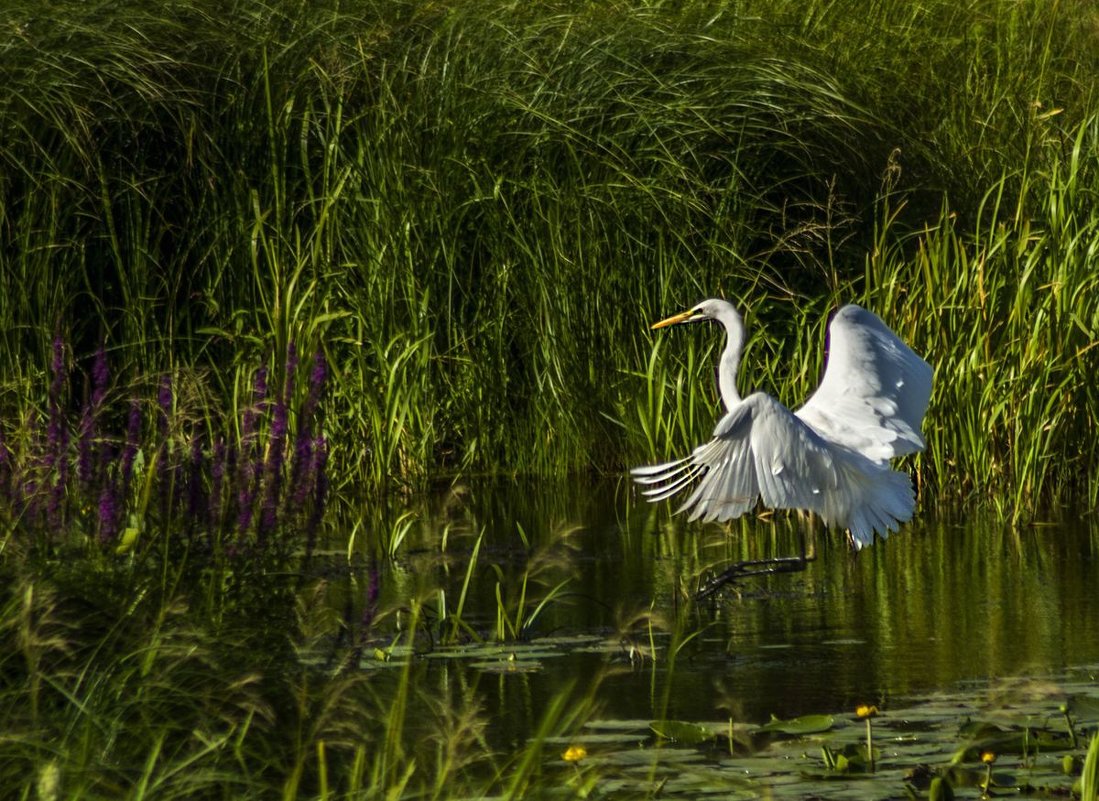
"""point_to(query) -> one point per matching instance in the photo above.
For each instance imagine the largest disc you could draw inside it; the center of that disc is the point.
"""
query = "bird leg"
(759, 567)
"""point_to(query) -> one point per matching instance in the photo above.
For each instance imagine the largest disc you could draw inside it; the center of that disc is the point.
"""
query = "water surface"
(952, 598)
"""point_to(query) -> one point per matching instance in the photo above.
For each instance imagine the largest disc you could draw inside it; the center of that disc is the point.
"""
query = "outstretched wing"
(874, 392)
(760, 450)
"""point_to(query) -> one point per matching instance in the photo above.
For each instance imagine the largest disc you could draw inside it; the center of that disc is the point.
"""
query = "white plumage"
(831, 456)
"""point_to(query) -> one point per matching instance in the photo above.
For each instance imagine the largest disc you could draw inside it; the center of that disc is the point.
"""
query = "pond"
(584, 587)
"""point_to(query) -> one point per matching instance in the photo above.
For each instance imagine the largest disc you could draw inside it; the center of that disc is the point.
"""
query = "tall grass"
(1012, 335)
(476, 208)
(138, 695)
(1006, 312)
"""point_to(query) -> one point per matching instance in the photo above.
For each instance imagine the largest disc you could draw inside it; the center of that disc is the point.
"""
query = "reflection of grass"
(136, 692)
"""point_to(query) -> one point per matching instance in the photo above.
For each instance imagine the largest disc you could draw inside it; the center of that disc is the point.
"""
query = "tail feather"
(880, 501)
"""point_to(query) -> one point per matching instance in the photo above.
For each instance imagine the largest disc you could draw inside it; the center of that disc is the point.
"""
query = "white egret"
(831, 456)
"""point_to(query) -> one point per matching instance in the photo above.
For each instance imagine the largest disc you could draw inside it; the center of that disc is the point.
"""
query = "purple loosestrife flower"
(259, 402)
(320, 492)
(276, 449)
(259, 387)
(108, 513)
(275, 462)
(279, 425)
(300, 475)
(246, 492)
(245, 498)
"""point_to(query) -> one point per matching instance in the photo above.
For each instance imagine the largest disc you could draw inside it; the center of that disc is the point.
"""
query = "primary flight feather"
(831, 456)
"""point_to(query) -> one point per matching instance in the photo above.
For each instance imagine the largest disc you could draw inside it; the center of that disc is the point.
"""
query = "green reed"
(115, 684)
(478, 207)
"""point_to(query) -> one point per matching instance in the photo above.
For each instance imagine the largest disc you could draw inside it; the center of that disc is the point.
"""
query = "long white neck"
(729, 363)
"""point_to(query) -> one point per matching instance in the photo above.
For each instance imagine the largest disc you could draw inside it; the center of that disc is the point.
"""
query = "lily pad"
(797, 727)
(618, 725)
(1084, 707)
(681, 732)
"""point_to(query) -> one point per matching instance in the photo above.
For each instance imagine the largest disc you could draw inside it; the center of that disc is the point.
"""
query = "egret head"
(710, 309)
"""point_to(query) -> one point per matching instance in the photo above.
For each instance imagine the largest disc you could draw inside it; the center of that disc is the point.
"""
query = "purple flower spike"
(301, 473)
(259, 392)
(275, 463)
(54, 429)
(244, 516)
(320, 491)
(108, 513)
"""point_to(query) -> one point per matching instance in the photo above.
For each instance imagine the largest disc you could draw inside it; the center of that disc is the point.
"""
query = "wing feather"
(760, 450)
(875, 389)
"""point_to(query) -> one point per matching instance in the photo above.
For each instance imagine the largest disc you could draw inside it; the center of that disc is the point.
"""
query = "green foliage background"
(475, 208)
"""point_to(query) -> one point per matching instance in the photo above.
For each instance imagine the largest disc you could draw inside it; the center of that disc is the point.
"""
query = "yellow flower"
(988, 757)
(866, 711)
(574, 753)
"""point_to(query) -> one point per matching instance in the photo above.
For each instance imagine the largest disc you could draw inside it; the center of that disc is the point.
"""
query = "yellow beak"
(682, 317)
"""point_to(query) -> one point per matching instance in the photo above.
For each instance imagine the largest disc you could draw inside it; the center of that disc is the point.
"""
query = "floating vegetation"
(971, 742)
